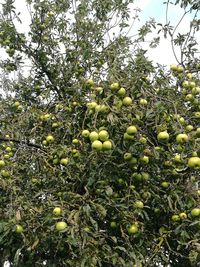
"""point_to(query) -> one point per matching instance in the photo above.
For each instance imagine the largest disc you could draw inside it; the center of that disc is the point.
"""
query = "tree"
(100, 148)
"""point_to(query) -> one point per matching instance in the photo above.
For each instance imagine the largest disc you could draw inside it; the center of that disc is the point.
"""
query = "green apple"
(133, 229)
(143, 102)
(139, 204)
(99, 89)
(91, 105)
(173, 67)
(55, 125)
(121, 91)
(5, 173)
(180, 69)
(50, 14)
(114, 86)
(103, 135)
(144, 159)
(185, 84)
(113, 224)
(194, 162)
(50, 139)
(197, 114)
(192, 84)
(189, 128)
(195, 212)
(142, 140)
(19, 229)
(128, 137)
(163, 136)
(182, 138)
(90, 82)
(60, 226)
(175, 218)
(183, 215)
(64, 161)
(93, 136)
(127, 156)
(177, 158)
(189, 76)
(127, 101)
(85, 133)
(131, 130)
(2, 163)
(57, 211)
(107, 145)
(189, 97)
(97, 145)
(165, 184)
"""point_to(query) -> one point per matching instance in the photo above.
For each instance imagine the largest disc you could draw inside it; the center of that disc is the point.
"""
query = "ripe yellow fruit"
(121, 91)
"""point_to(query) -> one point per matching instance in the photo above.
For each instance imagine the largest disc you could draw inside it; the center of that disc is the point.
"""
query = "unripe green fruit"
(175, 218)
(183, 215)
(139, 204)
(64, 161)
(195, 212)
(57, 211)
(127, 101)
(182, 138)
(103, 135)
(127, 156)
(107, 145)
(93, 136)
(19, 229)
(114, 86)
(97, 145)
(60, 226)
(194, 162)
(50, 139)
(2, 163)
(133, 229)
(121, 91)
(131, 130)
(85, 133)
(163, 136)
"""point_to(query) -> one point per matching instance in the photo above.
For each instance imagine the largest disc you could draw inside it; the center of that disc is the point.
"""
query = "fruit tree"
(99, 146)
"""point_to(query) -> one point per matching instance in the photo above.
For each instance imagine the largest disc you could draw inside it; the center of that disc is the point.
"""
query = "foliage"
(129, 203)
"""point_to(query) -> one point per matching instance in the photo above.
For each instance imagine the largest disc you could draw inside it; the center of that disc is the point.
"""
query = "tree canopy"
(99, 146)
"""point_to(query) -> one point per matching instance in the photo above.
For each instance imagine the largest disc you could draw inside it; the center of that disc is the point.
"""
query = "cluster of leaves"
(140, 181)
